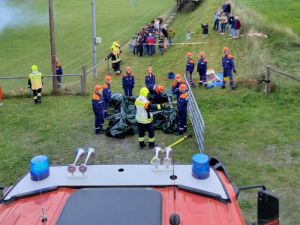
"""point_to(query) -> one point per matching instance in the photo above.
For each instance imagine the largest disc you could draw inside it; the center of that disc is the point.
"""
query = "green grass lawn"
(256, 137)
(116, 20)
(280, 21)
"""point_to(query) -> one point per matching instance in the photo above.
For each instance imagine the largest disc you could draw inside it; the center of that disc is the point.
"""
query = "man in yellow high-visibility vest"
(144, 117)
(35, 83)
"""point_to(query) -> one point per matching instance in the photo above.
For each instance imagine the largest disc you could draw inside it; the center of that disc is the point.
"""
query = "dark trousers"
(202, 78)
(190, 75)
(99, 120)
(128, 91)
(140, 49)
(142, 128)
(116, 66)
(37, 95)
(150, 50)
(182, 121)
(135, 50)
(216, 25)
(228, 73)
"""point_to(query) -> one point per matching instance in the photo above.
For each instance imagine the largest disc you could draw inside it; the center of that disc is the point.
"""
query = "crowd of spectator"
(223, 17)
(152, 38)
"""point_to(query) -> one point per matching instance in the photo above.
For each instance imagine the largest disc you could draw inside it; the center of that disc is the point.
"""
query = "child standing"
(128, 82)
(182, 104)
(188, 36)
(166, 44)
(202, 69)
(59, 71)
(161, 44)
(204, 29)
(98, 109)
(189, 68)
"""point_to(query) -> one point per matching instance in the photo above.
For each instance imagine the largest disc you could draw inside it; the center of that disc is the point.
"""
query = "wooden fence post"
(267, 80)
(83, 81)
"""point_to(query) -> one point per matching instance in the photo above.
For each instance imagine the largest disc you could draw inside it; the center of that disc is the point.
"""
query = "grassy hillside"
(116, 20)
(280, 21)
(256, 137)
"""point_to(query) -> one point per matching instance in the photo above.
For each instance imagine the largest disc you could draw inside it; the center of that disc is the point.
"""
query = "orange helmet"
(178, 77)
(98, 88)
(229, 56)
(189, 54)
(160, 88)
(225, 49)
(202, 54)
(182, 87)
(107, 78)
(128, 69)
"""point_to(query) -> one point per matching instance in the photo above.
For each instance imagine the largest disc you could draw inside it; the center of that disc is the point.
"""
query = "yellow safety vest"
(116, 52)
(36, 80)
(142, 114)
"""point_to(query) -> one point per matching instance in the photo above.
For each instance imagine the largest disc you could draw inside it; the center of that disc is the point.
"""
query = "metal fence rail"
(81, 76)
(196, 118)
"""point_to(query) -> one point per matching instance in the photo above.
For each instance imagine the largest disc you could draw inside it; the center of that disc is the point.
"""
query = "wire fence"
(70, 85)
(196, 118)
(268, 78)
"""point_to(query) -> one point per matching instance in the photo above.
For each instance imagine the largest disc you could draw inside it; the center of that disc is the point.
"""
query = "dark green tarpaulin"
(122, 121)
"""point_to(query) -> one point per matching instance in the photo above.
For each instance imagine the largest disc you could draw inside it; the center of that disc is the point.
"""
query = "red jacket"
(237, 25)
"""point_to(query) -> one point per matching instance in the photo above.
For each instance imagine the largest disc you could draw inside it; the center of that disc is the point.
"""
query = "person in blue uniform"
(175, 86)
(98, 109)
(202, 69)
(228, 68)
(106, 94)
(128, 82)
(189, 67)
(59, 72)
(182, 104)
(150, 77)
(156, 92)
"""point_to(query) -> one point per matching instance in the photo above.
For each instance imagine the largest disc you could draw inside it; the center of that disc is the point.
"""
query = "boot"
(151, 145)
(142, 144)
(35, 101)
(99, 131)
(39, 99)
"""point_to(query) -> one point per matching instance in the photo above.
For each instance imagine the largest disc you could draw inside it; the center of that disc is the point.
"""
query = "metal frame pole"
(52, 43)
(94, 38)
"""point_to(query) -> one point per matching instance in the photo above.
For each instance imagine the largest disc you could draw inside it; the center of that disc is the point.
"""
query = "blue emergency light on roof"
(39, 168)
(200, 168)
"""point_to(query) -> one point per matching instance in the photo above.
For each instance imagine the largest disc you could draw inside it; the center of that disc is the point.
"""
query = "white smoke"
(21, 15)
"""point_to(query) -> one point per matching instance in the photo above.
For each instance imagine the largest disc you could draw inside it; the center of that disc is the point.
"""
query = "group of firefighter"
(102, 94)
(144, 117)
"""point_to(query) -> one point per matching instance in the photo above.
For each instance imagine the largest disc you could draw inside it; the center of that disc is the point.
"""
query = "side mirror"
(267, 208)
(267, 205)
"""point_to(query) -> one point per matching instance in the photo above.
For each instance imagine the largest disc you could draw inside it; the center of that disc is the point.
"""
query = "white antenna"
(72, 167)
(83, 167)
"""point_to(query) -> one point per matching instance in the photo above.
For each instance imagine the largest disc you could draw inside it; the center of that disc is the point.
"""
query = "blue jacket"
(202, 66)
(182, 103)
(97, 103)
(106, 94)
(149, 79)
(175, 88)
(190, 64)
(59, 70)
(128, 81)
(228, 64)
